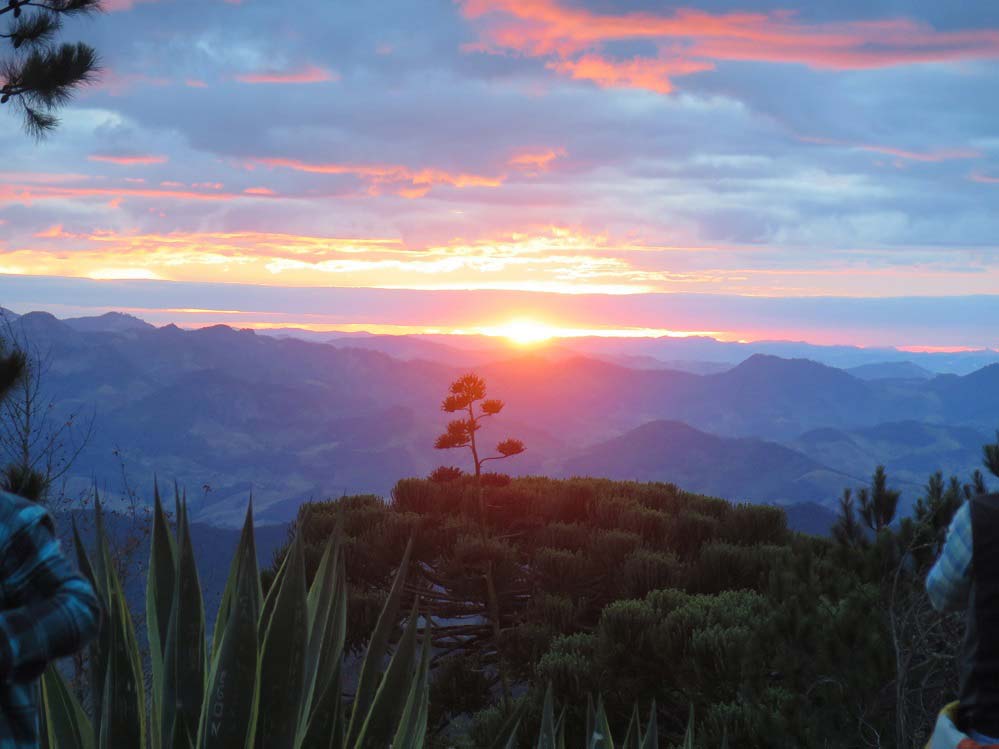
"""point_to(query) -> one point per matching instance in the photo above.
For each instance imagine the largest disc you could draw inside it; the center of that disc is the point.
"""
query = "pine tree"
(847, 530)
(878, 503)
(40, 76)
(991, 454)
(12, 367)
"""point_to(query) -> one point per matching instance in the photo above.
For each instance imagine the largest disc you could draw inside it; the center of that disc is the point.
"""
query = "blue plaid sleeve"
(51, 611)
(949, 582)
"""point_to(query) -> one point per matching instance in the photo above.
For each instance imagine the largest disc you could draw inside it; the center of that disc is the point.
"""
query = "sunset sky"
(820, 170)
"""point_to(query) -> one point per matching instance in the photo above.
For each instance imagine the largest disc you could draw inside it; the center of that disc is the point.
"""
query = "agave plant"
(271, 677)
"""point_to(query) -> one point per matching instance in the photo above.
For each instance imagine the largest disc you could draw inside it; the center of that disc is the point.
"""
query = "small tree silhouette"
(991, 458)
(39, 77)
(878, 503)
(467, 395)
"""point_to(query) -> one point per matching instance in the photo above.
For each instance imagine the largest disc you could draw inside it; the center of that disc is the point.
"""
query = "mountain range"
(227, 412)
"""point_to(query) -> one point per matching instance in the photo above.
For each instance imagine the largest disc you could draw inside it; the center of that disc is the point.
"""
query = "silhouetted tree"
(847, 530)
(12, 367)
(39, 440)
(991, 455)
(467, 395)
(878, 503)
(39, 76)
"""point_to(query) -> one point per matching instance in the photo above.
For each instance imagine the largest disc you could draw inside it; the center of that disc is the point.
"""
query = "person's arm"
(949, 582)
(56, 611)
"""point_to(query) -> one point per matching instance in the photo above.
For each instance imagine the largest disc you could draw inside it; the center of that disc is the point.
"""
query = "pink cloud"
(195, 83)
(307, 74)
(258, 191)
(128, 160)
(651, 74)
(27, 193)
(573, 38)
(413, 183)
(985, 179)
(115, 6)
(932, 156)
(116, 84)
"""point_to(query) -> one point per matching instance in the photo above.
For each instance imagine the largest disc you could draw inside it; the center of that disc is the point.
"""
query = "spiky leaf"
(282, 664)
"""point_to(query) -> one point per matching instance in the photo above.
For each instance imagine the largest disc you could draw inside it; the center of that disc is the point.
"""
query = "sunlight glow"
(523, 332)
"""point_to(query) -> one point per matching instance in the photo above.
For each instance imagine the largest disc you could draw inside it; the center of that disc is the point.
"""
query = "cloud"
(113, 83)
(933, 156)
(643, 73)
(307, 74)
(573, 39)
(534, 162)
(410, 183)
(128, 160)
(27, 194)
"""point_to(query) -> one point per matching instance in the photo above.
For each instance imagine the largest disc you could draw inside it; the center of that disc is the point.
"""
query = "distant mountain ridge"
(234, 411)
(901, 370)
(745, 469)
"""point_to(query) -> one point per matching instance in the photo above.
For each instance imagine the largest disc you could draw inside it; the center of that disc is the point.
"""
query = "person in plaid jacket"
(47, 610)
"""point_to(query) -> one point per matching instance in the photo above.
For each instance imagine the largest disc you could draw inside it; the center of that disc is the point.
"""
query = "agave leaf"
(184, 655)
(688, 736)
(326, 723)
(181, 733)
(99, 646)
(724, 741)
(631, 738)
(506, 738)
(282, 659)
(123, 703)
(270, 601)
(336, 631)
(546, 735)
(320, 608)
(229, 713)
(159, 601)
(65, 723)
(560, 730)
(591, 719)
(651, 738)
(380, 723)
(102, 553)
(377, 647)
(413, 723)
(601, 736)
(246, 553)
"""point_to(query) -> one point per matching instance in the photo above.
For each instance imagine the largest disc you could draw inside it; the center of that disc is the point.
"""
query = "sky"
(745, 168)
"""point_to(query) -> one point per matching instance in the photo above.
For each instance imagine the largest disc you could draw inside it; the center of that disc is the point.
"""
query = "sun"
(525, 332)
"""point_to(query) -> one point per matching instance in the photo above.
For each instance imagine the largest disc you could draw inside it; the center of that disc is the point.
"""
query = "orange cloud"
(536, 161)
(413, 183)
(258, 191)
(307, 74)
(693, 40)
(127, 160)
(552, 259)
(53, 232)
(644, 73)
